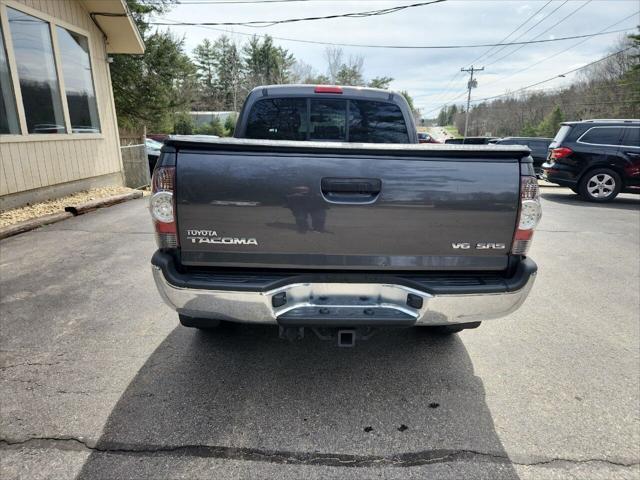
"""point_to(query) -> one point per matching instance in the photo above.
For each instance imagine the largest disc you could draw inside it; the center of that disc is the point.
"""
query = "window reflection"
(37, 73)
(328, 120)
(8, 114)
(78, 81)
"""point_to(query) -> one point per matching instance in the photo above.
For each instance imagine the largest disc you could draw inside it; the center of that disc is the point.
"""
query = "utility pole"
(471, 84)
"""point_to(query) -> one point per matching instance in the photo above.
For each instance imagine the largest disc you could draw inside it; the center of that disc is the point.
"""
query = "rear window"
(560, 136)
(631, 137)
(286, 119)
(328, 120)
(602, 136)
(278, 119)
(376, 122)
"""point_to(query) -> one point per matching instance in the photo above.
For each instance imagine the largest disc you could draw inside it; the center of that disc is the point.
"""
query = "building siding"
(30, 162)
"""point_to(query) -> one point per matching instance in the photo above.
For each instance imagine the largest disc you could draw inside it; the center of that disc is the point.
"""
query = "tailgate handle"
(351, 186)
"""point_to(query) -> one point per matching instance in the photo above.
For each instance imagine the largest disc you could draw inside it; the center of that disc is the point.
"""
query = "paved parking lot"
(98, 381)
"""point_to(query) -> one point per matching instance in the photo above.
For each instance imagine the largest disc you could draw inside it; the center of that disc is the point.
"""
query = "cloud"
(432, 76)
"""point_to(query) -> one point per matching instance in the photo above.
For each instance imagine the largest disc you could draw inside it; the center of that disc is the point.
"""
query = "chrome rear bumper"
(337, 303)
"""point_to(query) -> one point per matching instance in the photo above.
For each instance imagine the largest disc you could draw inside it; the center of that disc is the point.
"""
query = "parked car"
(426, 138)
(471, 140)
(597, 159)
(336, 237)
(539, 147)
(153, 152)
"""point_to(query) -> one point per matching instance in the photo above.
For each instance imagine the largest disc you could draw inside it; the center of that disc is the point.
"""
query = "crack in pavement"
(413, 459)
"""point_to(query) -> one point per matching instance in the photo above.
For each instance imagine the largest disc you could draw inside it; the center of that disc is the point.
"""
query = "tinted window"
(560, 136)
(539, 147)
(328, 120)
(631, 137)
(278, 119)
(8, 114)
(603, 136)
(37, 73)
(376, 122)
(78, 82)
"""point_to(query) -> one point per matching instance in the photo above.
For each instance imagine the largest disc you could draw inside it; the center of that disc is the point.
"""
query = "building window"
(78, 81)
(8, 113)
(37, 73)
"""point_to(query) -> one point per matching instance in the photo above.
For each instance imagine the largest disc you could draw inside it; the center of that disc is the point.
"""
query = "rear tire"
(600, 185)
(451, 329)
(199, 323)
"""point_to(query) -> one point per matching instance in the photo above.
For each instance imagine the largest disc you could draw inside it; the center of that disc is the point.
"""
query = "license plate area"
(348, 304)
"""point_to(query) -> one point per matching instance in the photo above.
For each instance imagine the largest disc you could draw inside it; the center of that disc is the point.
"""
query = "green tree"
(183, 125)
(265, 63)
(349, 75)
(409, 100)
(148, 89)
(216, 127)
(205, 61)
(380, 82)
(451, 114)
(230, 125)
(551, 123)
(230, 72)
(529, 130)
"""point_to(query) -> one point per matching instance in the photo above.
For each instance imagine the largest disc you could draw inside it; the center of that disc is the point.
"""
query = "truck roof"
(312, 90)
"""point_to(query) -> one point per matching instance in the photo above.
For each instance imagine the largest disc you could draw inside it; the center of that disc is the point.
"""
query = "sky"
(432, 77)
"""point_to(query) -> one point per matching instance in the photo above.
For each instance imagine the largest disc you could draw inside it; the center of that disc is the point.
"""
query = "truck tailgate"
(347, 207)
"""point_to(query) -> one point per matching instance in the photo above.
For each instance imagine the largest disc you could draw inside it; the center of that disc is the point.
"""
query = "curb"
(101, 202)
(27, 225)
(69, 212)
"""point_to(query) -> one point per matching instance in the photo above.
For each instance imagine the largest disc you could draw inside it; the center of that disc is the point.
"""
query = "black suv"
(596, 158)
(539, 148)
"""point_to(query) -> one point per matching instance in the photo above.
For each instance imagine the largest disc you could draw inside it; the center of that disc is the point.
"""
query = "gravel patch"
(28, 212)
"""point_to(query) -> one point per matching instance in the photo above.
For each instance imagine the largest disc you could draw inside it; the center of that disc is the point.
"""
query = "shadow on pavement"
(402, 398)
(619, 203)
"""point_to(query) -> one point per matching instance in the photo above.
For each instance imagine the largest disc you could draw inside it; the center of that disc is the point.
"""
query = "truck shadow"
(401, 399)
(619, 203)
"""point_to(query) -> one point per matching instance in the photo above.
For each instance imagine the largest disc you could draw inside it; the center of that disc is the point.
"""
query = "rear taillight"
(560, 152)
(328, 89)
(162, 207)
(529, 215)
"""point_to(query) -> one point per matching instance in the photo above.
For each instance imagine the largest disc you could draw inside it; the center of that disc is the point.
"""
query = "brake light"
(162, 207)
(560, 152)
(529, 215)
(328, 89)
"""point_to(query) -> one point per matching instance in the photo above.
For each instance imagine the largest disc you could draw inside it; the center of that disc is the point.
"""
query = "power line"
(573, 12)
(360, 45)
(552, 78)
(514, 30)
(558, 53)
(448, 88)
(534, 84)
(531, 27)
(269, 23)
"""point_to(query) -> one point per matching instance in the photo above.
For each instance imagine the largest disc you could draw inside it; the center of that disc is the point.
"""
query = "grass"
(452, 130)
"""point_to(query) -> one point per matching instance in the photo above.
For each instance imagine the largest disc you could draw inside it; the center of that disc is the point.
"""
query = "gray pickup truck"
(300, 225)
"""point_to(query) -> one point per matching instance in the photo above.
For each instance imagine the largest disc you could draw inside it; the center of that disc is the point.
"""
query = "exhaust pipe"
(346, 338)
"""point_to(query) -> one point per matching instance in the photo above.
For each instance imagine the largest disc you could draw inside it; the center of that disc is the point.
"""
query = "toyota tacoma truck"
(298, 224)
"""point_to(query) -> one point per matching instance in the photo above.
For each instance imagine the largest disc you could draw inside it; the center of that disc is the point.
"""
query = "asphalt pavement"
(97, 380)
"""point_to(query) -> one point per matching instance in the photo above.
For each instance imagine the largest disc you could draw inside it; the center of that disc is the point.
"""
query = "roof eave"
(115, 21)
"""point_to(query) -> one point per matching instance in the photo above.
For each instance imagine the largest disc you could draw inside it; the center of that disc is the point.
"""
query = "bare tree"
(334, 57)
